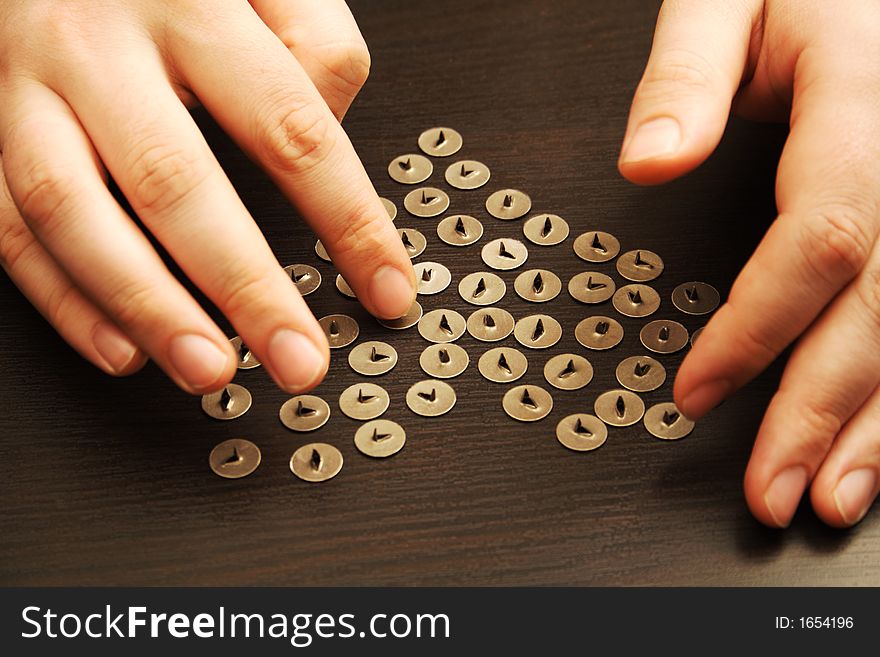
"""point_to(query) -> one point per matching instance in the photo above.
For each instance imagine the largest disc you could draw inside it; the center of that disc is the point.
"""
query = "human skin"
(91, 87)
(100, 87)
(815, 278)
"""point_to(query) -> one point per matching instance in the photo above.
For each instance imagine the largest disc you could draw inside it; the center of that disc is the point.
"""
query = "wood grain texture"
(106, 481)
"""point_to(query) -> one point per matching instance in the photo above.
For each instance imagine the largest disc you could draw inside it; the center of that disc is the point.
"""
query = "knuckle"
(835, 243)
(44, 193)
(15, 241)
(135, 303)
(245, 293)
(361, 232)
(347, 63)
(752, 340)
(61, 304)
(820, 424)
(296, 137)
(163, 175)
(682, 71)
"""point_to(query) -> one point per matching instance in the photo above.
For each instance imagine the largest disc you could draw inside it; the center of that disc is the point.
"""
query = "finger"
(682, 103)
(848, 480)
(50, 290)
(828, 193)
(57, 187)
(155, 152)
(275, 112)
(832, 371)
(326, 41)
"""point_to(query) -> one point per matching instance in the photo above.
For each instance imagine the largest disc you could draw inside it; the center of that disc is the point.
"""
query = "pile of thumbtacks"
(443, 359)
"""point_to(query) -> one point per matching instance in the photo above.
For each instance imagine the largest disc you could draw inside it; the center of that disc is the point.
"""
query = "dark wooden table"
(106, 481)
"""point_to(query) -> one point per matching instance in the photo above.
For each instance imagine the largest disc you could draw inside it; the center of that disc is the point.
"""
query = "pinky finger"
(44, 283)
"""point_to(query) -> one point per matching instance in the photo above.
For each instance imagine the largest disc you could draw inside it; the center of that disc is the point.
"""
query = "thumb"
(682, 103)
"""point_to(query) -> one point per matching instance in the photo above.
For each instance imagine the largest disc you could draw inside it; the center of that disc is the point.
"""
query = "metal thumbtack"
(581, 432)
(527, 403)
(306, 278)
(636, 300)
(426, 202)
(507, 204)
(467, 174)
(304, 413)
(537, 285)
(459, 230)
(246, 358)
(316, 462)
(482, 288)
(666, 422)
(440, 142)
(696, 334)
(639, 266)
(410, 319)
(430, 398)
(372, 358)
(591, 287)
(442, 325)
(537, 331)
(390, 208)
(235, 458)
(227, 404)
(599, 332)
(432, 277)
(568, 372)
(504, 254)
(341, 330)
(596, 246)
(695, 298)
(490, 324)
(344, 288)
(410, 169)
(364, 401)
(321, 251)
(641, 373)
(379, 438)
(444, 361)
(663, 336)
(545, 229)
(413, 241)
(619, 408)
(502, 365)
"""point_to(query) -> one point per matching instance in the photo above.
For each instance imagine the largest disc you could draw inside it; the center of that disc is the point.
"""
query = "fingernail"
(704, 398)
(391, 292)
(854, 494)
(784, 493)
(295, 360)
(113, 346)
(198, 361)
(656, 138)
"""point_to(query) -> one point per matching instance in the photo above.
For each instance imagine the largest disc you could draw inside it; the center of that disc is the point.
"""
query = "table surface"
(105, 481)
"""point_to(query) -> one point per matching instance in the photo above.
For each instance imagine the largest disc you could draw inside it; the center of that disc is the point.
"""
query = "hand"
(816, 275)
(88, 88)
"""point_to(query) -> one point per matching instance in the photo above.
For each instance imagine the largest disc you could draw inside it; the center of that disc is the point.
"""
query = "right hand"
(94, 88)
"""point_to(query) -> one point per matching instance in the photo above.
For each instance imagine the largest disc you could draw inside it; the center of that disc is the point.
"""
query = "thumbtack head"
(235, 458)
(316, 462)
(364, 401)
(380, 438)
(304, 413)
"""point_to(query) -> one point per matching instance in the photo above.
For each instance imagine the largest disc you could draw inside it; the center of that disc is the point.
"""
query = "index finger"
(263, 98)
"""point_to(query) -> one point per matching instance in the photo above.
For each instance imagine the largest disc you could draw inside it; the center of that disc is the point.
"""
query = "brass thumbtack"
(235, 458)
(316, 462)
(227, 404)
